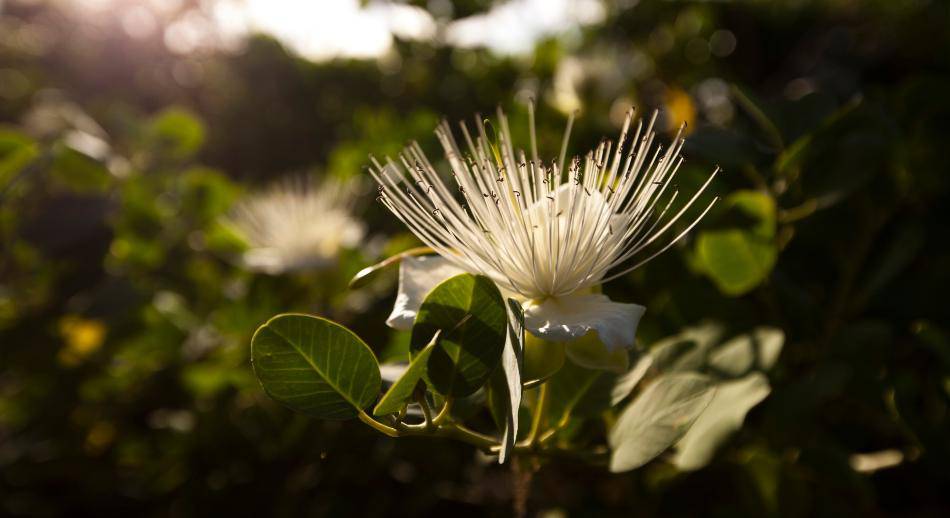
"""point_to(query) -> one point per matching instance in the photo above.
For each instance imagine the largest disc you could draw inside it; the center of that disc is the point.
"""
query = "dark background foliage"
(124, 328)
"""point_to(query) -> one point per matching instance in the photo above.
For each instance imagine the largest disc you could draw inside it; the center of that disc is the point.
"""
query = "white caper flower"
(545, 233)
(295, 225)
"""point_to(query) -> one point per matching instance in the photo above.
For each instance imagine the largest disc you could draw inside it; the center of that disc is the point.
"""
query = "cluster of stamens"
(540, 230)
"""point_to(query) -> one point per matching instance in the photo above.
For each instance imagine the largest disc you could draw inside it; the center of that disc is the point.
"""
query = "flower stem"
(538, 417)
(426, 412)
(444, 412)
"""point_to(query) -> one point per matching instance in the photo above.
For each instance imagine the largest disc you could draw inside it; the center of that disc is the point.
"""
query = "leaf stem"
(380, 427)
(462, 433)
(484, 442)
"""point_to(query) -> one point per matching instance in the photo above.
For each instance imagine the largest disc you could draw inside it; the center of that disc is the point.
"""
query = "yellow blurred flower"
(82, 337)
(680, 107)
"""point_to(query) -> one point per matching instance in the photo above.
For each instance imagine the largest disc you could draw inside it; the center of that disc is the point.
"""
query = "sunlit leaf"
(79, 172)
(736, 260)
(16, 151)
(315, 366)
(657, 418)
(177, 132)
(739, 255)
(685, 350)
(724, 415)
(757, 205)
(506, 382)
(759, 350)
(470, 312)
(626, 383)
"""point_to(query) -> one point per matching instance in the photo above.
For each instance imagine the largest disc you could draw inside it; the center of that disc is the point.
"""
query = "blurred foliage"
(125, 383)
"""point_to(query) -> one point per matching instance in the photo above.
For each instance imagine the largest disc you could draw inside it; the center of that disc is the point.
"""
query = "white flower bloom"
(295, 225)
(544, 233)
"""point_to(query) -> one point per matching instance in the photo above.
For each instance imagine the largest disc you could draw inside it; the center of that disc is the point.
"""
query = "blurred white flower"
(546, 234)
(295, 225)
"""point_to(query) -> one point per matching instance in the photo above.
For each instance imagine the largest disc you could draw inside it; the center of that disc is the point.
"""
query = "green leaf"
(685, 350)
(757, 205)
(736, 260)
(542, 358)
(177, 132)
(626, 383)
(315, 366)
(79, 172)
(756, 350)
(470, 312)
(659, 417)
(724, 415)
(16, 151)
(566, 389)
(590, 352)
(506, 384)
(401, 391)
(740, 255)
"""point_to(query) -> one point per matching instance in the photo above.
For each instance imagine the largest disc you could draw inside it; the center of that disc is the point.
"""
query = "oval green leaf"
(470, 312)
(736, 260)
(315, 366)
(178, 132)
(542, 359)
(659, 417)
(16, 151)
(723, 416)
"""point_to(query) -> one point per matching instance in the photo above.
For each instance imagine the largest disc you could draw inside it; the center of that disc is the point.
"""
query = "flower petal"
(417, 277)
(566, 318)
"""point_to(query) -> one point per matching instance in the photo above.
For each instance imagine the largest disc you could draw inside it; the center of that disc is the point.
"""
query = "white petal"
(566, 318)
(417, 277)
